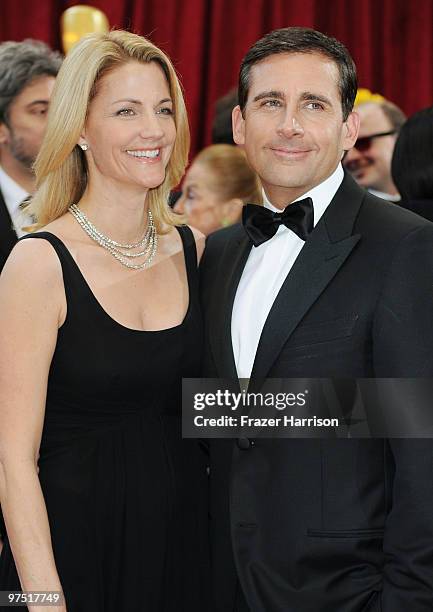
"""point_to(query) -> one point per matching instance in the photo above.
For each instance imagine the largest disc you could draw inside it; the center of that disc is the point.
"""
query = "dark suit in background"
(424, 208)
(328, 525)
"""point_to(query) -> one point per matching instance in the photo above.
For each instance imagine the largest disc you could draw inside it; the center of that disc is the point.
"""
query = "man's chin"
(361, 178)
(26, 162)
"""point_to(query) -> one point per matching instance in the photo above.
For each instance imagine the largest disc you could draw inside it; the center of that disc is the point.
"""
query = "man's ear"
(4, 133)
(350, 130)
(238, 124)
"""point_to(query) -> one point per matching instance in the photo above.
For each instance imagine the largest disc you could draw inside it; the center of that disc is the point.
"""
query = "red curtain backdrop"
(390, 40)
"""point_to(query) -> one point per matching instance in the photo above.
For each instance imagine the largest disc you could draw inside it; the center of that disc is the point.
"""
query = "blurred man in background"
(27, 73)
(369, 161)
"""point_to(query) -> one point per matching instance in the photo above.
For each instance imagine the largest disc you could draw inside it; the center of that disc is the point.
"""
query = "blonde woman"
(99, 321)
(218, 183)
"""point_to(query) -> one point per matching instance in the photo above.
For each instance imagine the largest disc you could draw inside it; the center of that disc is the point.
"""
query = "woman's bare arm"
(32, 305)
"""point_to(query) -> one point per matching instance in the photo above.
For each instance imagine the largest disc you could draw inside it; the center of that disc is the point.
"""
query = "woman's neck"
(119, 213)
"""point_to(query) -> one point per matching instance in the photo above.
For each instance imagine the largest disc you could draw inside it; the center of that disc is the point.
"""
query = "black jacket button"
(244, 443)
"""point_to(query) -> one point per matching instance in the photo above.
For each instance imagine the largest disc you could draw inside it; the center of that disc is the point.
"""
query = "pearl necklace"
(148, 244)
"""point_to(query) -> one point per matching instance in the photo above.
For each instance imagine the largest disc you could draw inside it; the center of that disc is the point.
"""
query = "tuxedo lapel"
(232, 263)
(8, 237)
(319, 260)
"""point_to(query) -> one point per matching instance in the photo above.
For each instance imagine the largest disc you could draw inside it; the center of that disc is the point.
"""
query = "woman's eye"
(165, 111)
(125, 112)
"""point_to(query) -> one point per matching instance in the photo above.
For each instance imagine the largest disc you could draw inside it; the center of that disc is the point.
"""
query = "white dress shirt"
(264, 273)
(13, 195)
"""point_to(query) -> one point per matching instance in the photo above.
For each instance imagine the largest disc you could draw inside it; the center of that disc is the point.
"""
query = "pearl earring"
(84, 146)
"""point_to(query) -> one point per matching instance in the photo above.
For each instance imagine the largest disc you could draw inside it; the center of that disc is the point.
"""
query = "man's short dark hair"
(302, 40)
(20, 64)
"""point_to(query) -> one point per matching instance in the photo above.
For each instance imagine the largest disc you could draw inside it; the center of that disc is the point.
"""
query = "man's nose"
(291, 125)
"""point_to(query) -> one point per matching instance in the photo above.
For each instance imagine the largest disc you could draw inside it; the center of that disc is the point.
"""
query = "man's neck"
(24, 177)
(389, 188)
(280, 197)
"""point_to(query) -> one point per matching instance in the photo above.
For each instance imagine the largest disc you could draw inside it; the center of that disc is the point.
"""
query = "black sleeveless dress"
(126, 496)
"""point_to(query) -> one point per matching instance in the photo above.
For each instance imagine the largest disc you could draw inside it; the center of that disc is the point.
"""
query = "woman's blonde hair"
(230, 174)
(61, 167)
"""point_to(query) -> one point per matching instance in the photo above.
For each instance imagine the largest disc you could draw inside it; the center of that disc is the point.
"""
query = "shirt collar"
(385, 196)
(321, 194)
(13, 193)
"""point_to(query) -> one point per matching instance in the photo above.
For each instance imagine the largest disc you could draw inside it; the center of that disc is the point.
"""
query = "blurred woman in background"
(218, 183)
(412, 163)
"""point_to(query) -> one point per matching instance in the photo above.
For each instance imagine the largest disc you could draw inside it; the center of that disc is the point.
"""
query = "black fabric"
(240, 605)
(8, 237)
(126, 496)
(261, 224)
(424, 208)
(324, 525)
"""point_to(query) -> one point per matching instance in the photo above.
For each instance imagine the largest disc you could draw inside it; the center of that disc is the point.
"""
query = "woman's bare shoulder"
(199, 238)
(33, 276)
(200, 241)
(34, 258)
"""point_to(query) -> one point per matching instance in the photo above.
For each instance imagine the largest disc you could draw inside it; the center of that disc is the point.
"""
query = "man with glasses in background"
(369, 161)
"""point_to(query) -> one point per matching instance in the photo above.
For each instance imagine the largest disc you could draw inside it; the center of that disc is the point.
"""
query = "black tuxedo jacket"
(8, 237)
(343, 525)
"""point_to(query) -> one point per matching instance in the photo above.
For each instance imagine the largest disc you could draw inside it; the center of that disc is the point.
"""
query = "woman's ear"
(82, 143)
(231, 212)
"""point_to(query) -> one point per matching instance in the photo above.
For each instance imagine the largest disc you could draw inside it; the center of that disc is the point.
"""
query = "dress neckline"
(98, 304)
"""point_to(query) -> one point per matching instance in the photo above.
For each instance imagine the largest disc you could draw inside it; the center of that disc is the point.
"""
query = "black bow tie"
(261, 224)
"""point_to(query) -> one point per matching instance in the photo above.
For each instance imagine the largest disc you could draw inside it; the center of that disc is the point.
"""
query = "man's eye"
(39, 111)
(125, 112)
(165, 110)
(272, 103)
(315, 105)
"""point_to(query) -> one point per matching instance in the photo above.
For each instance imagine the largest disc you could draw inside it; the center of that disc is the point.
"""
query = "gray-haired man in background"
(27, 73)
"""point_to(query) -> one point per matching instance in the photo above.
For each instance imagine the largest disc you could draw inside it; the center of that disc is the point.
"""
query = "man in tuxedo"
(27, 73)
(326, 280)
